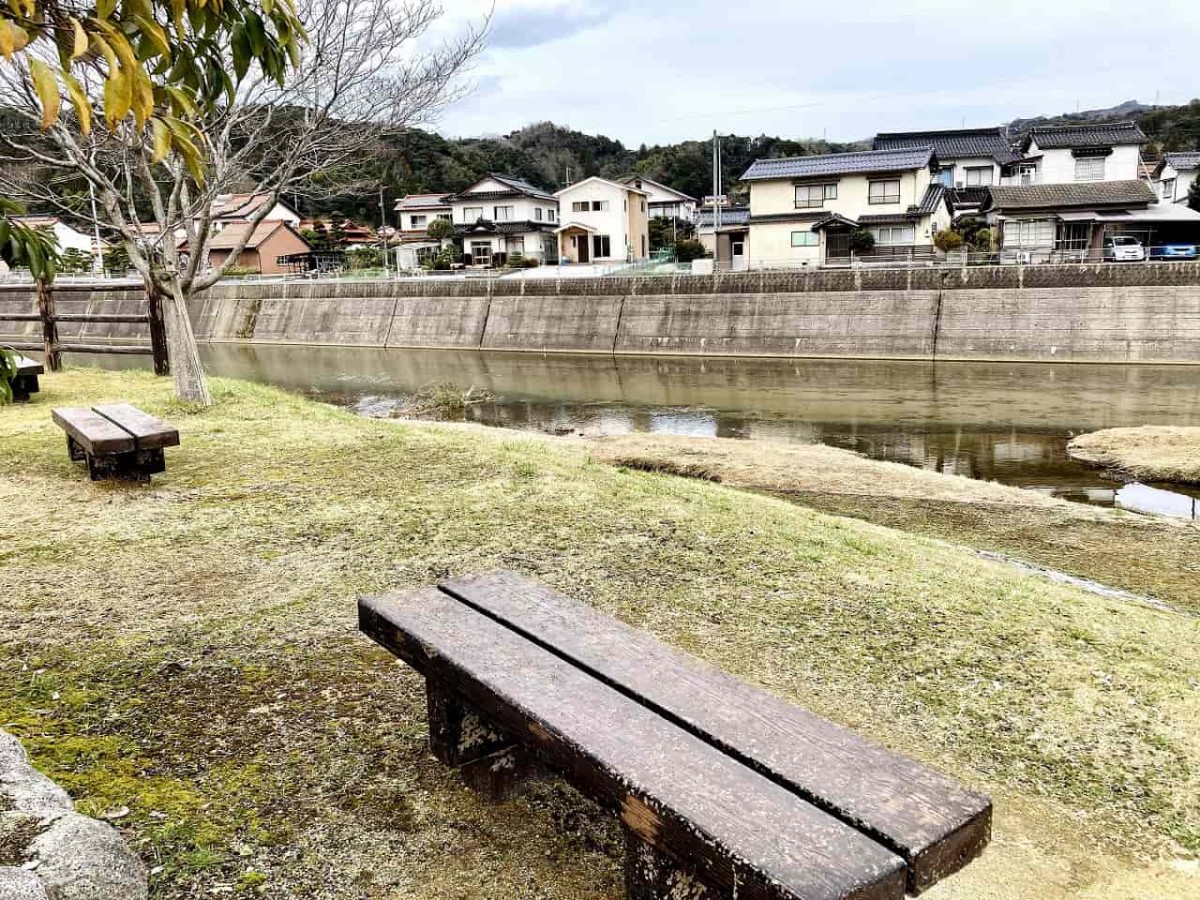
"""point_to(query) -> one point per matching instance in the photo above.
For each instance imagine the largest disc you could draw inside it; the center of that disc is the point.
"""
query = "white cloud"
(674, 69)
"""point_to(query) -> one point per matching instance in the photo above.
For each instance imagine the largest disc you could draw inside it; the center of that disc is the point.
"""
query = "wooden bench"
(26, 381)
(117, 440)
(723, 790)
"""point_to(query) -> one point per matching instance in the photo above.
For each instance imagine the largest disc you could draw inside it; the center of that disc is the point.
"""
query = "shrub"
(8, 373)
(686, 251)
(983, 240)
(862, 241)
(239, 271)
(439, 230)
(947, 240)
(74, 261)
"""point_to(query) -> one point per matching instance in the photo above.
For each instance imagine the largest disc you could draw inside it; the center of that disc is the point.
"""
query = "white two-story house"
(1064, 154)
(603, 221)
(1174, 176)
(499, 218)
(804, 209)
(664, 202)
(967, 158)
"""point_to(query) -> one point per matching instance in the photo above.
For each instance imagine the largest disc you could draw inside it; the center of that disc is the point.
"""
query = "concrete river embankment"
(1098, 313)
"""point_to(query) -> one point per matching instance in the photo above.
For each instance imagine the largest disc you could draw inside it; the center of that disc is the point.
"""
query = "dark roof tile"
(1084, 194)
(950, 145)
(1183, 161)
(1060, 137)
(864, 161)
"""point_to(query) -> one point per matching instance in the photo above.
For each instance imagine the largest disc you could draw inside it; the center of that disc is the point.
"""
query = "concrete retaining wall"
(1117, 313)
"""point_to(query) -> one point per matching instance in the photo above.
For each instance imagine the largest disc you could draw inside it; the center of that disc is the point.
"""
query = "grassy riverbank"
(188, 650)
(1149, 453)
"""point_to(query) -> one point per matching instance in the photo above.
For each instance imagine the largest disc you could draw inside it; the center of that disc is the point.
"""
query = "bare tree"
(363, 73)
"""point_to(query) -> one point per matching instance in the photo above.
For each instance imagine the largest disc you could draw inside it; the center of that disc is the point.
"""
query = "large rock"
(18, 884)
(70, 856)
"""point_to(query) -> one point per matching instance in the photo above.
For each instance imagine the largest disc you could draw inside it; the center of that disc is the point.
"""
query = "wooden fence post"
(45, 298)
(158, 332)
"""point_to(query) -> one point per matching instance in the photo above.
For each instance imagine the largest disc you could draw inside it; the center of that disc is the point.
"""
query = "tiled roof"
(485, 226)
(523, 186)
(949, 145)
(424, 201)
(1059, 137)
(861, 162)
(966, 196)
(1084, 194)
(228, 237)
(737, 215)
(1183, 161)
(934, 194)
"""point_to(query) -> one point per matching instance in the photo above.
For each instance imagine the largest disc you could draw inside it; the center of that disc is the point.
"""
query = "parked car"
(1122, 248)
(1175, 251)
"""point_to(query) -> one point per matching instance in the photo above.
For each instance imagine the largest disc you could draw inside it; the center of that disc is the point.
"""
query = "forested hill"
(544, 153)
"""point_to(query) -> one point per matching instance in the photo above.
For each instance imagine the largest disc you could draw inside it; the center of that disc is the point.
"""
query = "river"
(1006, 422)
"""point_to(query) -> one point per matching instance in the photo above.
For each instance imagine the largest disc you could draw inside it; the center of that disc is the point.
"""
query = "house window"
(1032, 233)
(805, 239)
(884, 191)
(599, 206)
(643, 206)
(516, 244)
(481, 253)
(895, 234)
(1089, 168)
(1168, 189)
(537, 213)
(945, 176)
(581, 206)
(472, 213)
(445, 216)
(601, 246)
(418, 221)
(979, 176)
(549, 215)
(811, 195)
(503, 213)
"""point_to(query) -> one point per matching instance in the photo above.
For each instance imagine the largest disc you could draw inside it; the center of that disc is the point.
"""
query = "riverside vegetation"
(183, 655)
(1149, 453)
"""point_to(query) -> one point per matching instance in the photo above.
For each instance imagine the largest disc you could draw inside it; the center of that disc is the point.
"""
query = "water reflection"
(1007, 422)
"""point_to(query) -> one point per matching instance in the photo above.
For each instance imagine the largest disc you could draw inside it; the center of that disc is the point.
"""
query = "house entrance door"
(583, 248)
(837, 248)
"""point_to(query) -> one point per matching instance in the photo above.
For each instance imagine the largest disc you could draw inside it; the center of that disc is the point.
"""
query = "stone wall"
(1113, 312)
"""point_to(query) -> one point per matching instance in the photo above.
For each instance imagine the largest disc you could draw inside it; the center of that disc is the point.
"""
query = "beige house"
(803, 210)
(604, 221)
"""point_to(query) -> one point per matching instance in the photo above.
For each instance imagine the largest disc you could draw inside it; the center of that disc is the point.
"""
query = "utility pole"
(383, 224)
(716, 199)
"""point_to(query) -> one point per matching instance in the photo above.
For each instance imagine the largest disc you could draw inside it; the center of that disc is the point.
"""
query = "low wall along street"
(1100, 313)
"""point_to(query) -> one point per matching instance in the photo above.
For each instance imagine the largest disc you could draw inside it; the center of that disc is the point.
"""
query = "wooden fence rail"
(53, 347)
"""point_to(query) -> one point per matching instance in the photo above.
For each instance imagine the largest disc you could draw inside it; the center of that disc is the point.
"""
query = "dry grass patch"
(1149, 453)
(188, 649)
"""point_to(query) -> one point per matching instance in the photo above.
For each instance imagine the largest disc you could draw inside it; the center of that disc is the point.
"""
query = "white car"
(1122, 248)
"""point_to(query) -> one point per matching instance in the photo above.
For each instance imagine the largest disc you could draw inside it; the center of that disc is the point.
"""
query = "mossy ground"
(188, 650)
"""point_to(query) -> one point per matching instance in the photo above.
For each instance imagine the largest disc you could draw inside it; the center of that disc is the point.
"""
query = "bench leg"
(490, 762)
(652, 875)
(136, 466)
(22, 386)
(74, 451)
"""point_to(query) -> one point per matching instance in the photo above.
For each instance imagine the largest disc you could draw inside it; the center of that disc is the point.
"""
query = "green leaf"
(241, 52)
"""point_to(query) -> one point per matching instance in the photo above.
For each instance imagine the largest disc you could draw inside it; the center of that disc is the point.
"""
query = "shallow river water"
(1006, 422)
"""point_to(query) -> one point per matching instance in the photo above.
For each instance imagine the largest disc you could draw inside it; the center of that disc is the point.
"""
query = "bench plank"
(27, 366)
(96, 434)
(936, 825)
(743, 833)
(149, 432)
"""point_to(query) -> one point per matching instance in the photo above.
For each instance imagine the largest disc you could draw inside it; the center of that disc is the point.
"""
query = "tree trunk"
(182, 351)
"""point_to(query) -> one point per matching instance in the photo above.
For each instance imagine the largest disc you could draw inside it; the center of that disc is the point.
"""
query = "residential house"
(729, 241)
(266, 247)
(1064, 154)
(416, 211)
(664, 202)
(969, 160)
(1174, 176)
(68, 236)
(603, 221)
(241, 207)
(347, 232)
(1050, 222)
(499, 217)
(804, 209)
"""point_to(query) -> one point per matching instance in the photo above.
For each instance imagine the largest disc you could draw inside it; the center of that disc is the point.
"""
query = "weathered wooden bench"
(117, 440)
(26, 382)
(723, 790)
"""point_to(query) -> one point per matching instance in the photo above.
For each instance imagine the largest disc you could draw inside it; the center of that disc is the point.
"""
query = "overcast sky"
(665, 70)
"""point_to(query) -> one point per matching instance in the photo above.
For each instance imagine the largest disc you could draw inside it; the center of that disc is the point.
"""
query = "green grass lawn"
(188, 650)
